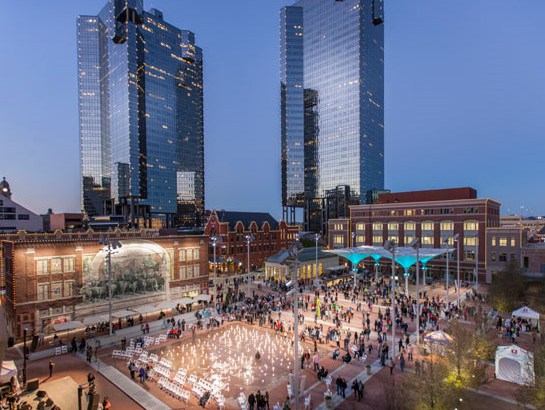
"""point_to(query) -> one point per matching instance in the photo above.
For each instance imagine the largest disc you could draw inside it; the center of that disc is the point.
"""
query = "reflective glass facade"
(340, 110)
(141, 113)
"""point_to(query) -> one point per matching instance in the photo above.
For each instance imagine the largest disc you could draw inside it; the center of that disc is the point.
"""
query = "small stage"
(63, 392)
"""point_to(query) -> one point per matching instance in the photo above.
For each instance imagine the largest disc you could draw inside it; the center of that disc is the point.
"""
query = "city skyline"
(475, 93)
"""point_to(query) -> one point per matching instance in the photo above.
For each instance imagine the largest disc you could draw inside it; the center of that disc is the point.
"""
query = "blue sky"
(464, 100)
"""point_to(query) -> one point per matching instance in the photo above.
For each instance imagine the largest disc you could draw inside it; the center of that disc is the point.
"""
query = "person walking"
(106, 404)
(251, 401)
(410, 352)
(402, 362)
(51, 366)
(392, 365)
(267, 400)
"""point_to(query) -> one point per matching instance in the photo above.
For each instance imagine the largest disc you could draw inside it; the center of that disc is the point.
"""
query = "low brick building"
(231, 229)
(503, 246)
(52, 278)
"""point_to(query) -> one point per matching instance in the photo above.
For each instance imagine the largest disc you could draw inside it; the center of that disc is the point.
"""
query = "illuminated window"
(182, 272)
(377, 226)
(471, 225)
(360, 226)
(338, 239)
(427, 226)
(393, 238)
(56, 265)
(68, 264)
(360, 239)
(493, 241)
(512, 241)
(503, 241)
(470, 241)
(447, 225)
(408, 239)
(181, 255)
(43, 291)
(56, 290)
(493, 256)
(196, 254)
(393, 226)
(427, 240)
(410, 226)
(377, 239)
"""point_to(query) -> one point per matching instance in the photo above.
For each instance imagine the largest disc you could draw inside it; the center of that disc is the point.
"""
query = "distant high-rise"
(141, 116)
(332, 101)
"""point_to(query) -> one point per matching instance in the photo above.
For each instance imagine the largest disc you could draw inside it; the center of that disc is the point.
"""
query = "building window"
(512, 257)
(471, 241)
(56, 265)
(410, 226)
(43, 291)
(182, 272)
(360, 226)
(447, 225)
(393, 226)
(338, 239)
(427, 226)
(23, 217)
(427, 239)
(408, 239)
(68, 264)
(526, 261)
(503, 241)
(42, 267)
(196, 271)
(360, 239)
(471, 225)
(338, 227)
(493, 241)
(189, 254)
(181, 256)
(469, 255)
(189, 272)
(377, 239)
(56, 290)
(68, 288)
(493, 256)
(393, 238)
(503, 257)
(512, 241)
(377, 226)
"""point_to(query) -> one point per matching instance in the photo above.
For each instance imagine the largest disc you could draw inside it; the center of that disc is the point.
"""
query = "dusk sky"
(464, 99)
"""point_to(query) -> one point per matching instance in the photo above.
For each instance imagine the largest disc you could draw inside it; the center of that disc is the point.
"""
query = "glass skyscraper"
(332, 99)
(141, 116)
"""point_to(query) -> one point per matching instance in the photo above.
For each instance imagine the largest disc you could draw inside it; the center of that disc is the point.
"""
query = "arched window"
(471, 225)
(427, 226)
(377, 226)
(393, 226)
(410, 226)
(447, 226)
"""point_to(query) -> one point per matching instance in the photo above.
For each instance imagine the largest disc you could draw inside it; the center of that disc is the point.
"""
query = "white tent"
(145, 309)
(515, 365)
(123, 313)
(8, 370)
(202, 297)
(92, 320)
(70, 325)
(438, 337)
(526, 313)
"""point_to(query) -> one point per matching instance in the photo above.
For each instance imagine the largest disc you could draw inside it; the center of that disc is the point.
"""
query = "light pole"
(249, 238)
(214, 243)
(457, 239)
(415, 244)
(448, 257)
(316, 237)
(354, 268)
(109, 249)
(476, 236)
(293, 255)
(391, 246)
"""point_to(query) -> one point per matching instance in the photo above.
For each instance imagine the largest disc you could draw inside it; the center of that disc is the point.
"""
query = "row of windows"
(424, 240)
(55, 265)
(503, 241)
(188, 254)
(190, 272)
(424, 211)
(55, 290)
(502, 257)
(411, 226)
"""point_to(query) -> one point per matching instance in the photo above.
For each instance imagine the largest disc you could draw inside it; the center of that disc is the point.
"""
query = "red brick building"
(434, 216)
(52, 278)
(231, 229)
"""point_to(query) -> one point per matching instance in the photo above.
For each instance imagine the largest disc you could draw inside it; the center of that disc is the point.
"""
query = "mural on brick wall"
(138, 267)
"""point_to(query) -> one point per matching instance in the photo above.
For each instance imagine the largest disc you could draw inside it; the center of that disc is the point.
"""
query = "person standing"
(267, 400)
(51, 366)
(410, 352)
(392, 365)
(316, 360)
(106, 404)
(402, 362)
(251, 401)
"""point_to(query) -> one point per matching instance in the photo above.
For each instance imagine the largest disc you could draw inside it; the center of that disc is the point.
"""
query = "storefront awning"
(70, 325)
(202, 297)
(92, 320)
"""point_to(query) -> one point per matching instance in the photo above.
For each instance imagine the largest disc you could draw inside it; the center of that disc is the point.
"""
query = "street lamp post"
(476, 262)
(214, 243)
(457, 239)
(354, 268)
(448, 257)
(249, 238)
(391, 246)
(316, 237)
(416, 245)
(109, 249)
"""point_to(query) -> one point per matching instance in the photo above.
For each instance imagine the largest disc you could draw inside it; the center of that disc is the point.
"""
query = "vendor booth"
(515, 365)
(526, 313)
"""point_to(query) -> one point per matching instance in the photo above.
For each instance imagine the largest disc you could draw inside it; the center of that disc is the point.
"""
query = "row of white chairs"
(122, 354)
(173, 389)
(61, 350)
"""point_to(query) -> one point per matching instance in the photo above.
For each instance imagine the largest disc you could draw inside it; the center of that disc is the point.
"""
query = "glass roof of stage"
(405, 256)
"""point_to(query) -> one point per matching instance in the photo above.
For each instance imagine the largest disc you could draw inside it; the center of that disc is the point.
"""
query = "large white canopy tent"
(515, 365)
(438, 337)
(526, 313)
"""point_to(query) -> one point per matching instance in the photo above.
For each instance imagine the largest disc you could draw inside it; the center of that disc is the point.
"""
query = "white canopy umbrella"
(202, 297)
(145, 309)
(515, 365)
(167, 304)
(525, 312)
(123, 313)
(438, 337)
(91, 320)
(70, 325)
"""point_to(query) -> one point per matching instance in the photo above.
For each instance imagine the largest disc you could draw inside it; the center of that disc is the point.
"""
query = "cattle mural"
(138, 267)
